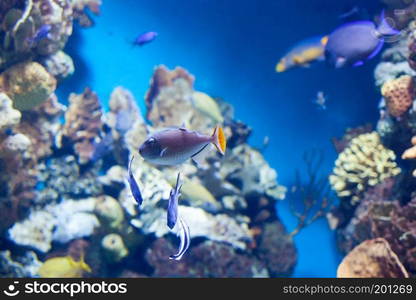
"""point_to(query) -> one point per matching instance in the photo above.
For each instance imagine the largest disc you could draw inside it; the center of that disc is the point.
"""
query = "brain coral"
(398, 94)
(365, 162)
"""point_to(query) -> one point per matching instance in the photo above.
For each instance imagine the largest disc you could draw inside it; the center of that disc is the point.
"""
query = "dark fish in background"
(175, 193)
(145, 38)
(134, 187)
(185, 237)
(356, 42)
(173, 146)
(42, 33)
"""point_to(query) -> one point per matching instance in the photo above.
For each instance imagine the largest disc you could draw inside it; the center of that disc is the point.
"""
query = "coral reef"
(65, 180)
(22, 22)
(372, 258)
(365, 162)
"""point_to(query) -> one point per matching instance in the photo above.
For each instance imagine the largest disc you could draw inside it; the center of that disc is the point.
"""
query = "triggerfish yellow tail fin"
(219, 139)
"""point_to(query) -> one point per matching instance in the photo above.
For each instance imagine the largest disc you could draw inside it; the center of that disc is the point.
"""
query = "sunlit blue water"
(232, 47)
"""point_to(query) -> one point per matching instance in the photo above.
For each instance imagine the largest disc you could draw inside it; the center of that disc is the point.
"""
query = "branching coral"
(398, 94)
(314, 195)
(365, 162)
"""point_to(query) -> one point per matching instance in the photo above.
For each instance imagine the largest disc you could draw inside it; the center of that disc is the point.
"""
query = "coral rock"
(399, 94)
(27, 84)
(378, 215)
(8, 115)
(365, 162)
(83, 124)
(208, 259)
(162, 77)
(372, 258)
(114, 247)
(59, 65)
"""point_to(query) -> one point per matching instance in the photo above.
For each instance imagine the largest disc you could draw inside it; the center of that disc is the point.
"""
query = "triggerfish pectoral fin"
(219, 140)
(134, 187)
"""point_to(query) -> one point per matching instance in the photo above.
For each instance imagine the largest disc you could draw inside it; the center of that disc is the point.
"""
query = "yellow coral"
(365, 162)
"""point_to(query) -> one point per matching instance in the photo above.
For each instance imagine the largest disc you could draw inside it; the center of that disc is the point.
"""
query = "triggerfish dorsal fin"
(219, 139)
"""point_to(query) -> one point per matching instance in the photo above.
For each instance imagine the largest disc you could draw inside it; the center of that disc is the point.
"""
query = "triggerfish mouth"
(303, 54)
(173, 146)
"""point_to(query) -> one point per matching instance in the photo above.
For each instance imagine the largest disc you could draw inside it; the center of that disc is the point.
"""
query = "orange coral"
(398, 94)
(411, 152)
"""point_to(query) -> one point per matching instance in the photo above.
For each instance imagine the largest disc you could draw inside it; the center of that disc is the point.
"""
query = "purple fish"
(42, 33)
(173, 146)
(145, 38)
(172, 214)
(185, 237)
(355, 42)
(134, 187)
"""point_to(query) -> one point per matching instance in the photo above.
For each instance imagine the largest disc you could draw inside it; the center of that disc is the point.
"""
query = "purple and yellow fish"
(303, 54)
(173, 146)
(356, 42)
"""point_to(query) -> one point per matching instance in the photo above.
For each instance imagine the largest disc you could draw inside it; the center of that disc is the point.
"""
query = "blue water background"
(232, 47)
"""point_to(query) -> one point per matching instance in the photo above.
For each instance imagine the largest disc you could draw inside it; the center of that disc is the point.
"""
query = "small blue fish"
(134, 187)
(145, 38)
(42, 33)
(185, 237)
(172, 214)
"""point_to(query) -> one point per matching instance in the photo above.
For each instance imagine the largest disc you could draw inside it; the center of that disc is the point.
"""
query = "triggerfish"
(173, 146)
(355, 42)
(303, 54)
